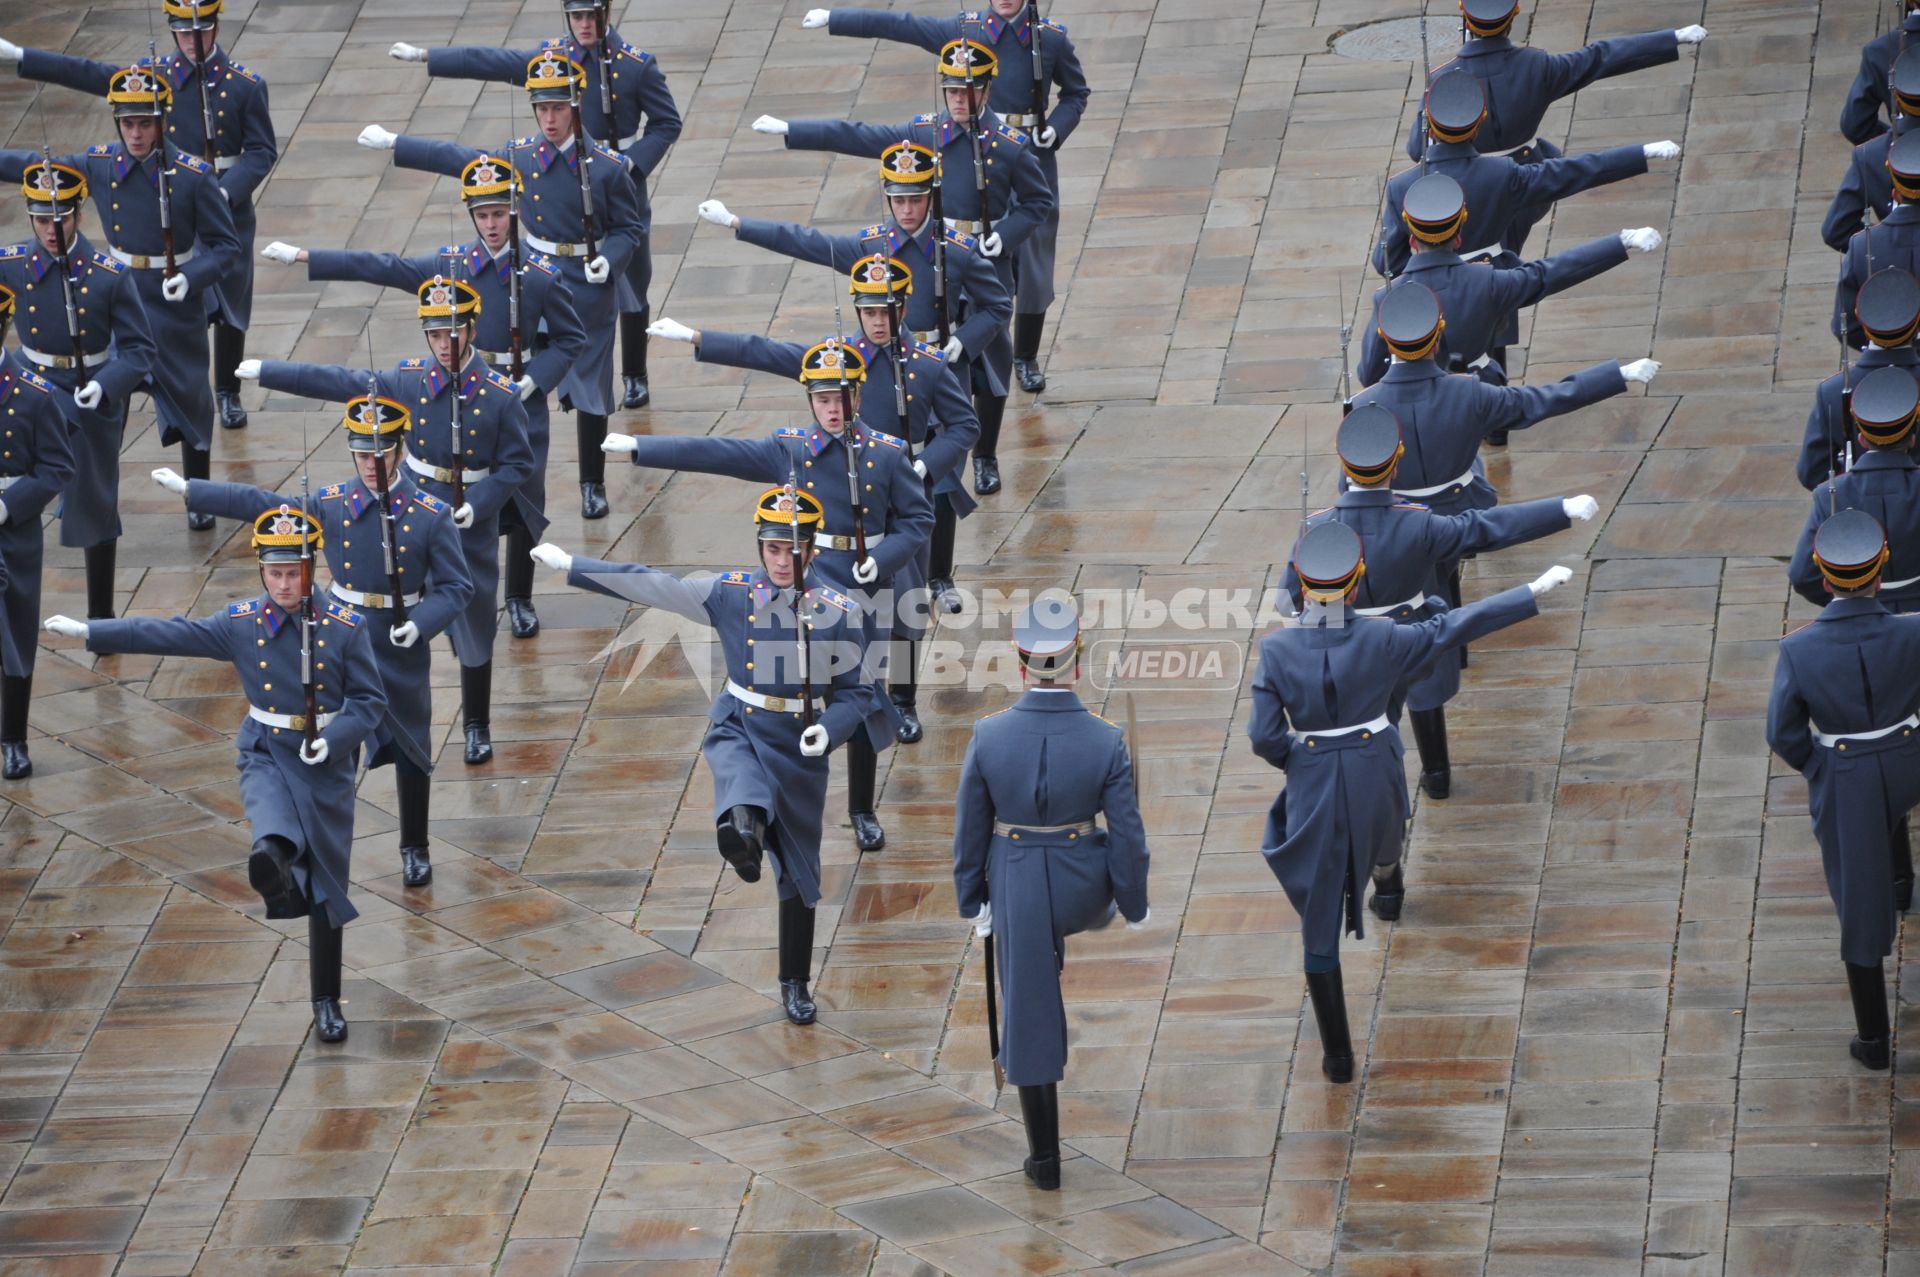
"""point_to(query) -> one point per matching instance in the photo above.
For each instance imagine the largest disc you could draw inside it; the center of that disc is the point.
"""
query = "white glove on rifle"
(1552, 578)
(952, 350)
(404, 635)
(11, 52)
(599, 269)
(89, 395)
(813, 741)
(1691, 35)
(866, 571)
(549, 555)
(1046, 138)
(376, 138)
(66, 627)
(1643, 239)
(1640, 370)
(285, 254)
(463, 517)
(247, 370)
(983, 921)
(815, 19)
(920, 467)
(314, 754)
(170, 481)
(1661, 150)
(990, 245)
(174, 287)
(526, 387)
(672, 330)
(770, 124)
(717, 213)
(617, 442)
(404, 52)
(1581, 507)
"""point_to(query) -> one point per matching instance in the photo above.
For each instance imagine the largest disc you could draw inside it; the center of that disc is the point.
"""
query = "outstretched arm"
(844, 136)
(637, 583)
(479, 62)
(426, 155)
(82, 74)
(326, 382)
(757, 460)
(208, 636)
(240, 501)
(930, 34)
(388, 270)
(744, 350)
(802, 243)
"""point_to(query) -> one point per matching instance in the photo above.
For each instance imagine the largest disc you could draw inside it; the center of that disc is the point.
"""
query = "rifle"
(582, 149)
(937, 213)
(167, 169)
(993, 1014)
(211, 140)
(515, 345)
(388, 542)
(606, 77)
(974, 125)
(459, 399)
(308, 690)
(902, 352)
(1426, 82)
(1839, 451)
(1039, 67)
(1346, 367)
(846, 441)
(75, 334)
(800, 634)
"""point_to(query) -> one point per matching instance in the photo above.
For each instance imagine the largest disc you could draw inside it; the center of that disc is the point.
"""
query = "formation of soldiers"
(856, 506)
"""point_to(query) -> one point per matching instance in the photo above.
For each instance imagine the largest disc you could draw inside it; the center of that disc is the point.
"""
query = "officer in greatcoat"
(1870, 93)
(1886, 314)
(1868, 187)
(1893, 244)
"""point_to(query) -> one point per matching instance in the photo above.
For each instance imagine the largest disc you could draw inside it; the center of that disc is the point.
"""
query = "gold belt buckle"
(297, 722)
(443, 474)
(140, 263)
(778, 704)
(563, 250)
(64, 362)
(375, 600)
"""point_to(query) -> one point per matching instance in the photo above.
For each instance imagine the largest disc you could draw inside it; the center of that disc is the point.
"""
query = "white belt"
(8, 480)
(225, 162)
(834, 541)
(1910, 721)
(778, 704)
(960, 224)
(558, 250)
(1379, 724)
(1899, 585)
(1417, 601)
(148, 263)
(64, 361)
(292, 722)
(627, 141)
(1020, 121)
(358, 599)
(1435, 491)
(931, 338)
(1005, 830)
(501, 358)
(420, 467)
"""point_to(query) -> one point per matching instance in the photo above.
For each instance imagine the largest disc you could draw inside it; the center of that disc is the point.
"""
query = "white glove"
(1552, 577)
(404, 635)
(247, 370)
(285, 254)
(617, 442)
(990, 245)
(1582, 507)
(599, 269)
(670, 330)
(1145, 918)
(89, 395)
(404, 52)
(376, 138)
(527, 387)
(1640, 370)
(11, 52)
(815, 19)
(5, 515)
(1661, 150)
(770, 124)
(225, 194)
(813, 741)
(1046, 138)
(66, 627)
(920, 467)
(315, 753)
(953, 349)
(717, 213)
(866, 571)
(983, 921)
(174, 288)
(170, 481)
(549, 555)
(1691, 35)
(463, 517)
(1643, 239)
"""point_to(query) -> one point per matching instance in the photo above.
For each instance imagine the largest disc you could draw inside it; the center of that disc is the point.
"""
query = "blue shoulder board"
(501, 380)
(342, 613)
(834, 597)
(931, 352)
(246, 607)
(333, 492)
(427, 501)
(522, 143)
(103, 148)
(1408, 505)
(413, 363)
(925, 119)
(13, 251)
(873, 232)
(108, 263)
(451, 250)
(31, 378)
(553, 43)
(239, 70)
(1010, 133)
(538, 262)
(892, 441)
(791, 432)
(1051, 25)
(193, 162)
(967, 242)
(615, 156)
(638, 55)
(736, 578)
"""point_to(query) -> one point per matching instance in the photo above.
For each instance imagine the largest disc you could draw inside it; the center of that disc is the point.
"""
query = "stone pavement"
(1608, 1036)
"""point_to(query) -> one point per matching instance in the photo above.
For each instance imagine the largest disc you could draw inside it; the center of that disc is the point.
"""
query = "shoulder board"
(108, 263)
(333, 492)
(892, 441)
(342, 613)
(553, 43)
(538, 262)
(427, 501)
(638, 55)
(1408, 505)
(615, 156)
(451, 250)
(1322, 510)
(241, 71)
(245, 607)
(193, 162)
(1012, 134)
(1109, 722)
(931, 352)
(924, 119)
(521, 143)
(103, 148)
(1050, 25)
(965, 241)
(839, 600)
(873, 232)
(13, 252)
(791, 432)
(501, 380)
(28, 377)
(736, 578)
(413, 363)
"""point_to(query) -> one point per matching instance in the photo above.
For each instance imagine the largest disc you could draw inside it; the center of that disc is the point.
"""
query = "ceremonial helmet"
(1850, 549)
(488, 179)
(279, 535)
(1047, 635)
(1409, 320)
(1888, 307)
(1435, 209)
(1329, 562)
(192, 15)
(879, 282)
(785, 515)
(1905, 81)
(966, 63)
(137, 92)
(1456, 103)
(907, 168)
(553, 77)
(1883, 406)
(53, 190)
(1488, 18)
(828, 363)
(1369, 443)
(447, 303)
(374, 423)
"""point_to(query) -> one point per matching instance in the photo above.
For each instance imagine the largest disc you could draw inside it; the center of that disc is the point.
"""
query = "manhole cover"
(1398, 40)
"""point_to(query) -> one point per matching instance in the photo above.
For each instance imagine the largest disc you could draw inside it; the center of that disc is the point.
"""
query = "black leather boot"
(476, 708)
(16, 694)
(633, 359)
(99, 560)
(412, 786)
(1040, 1107)
(991, 409)
(1389, 895)
(742, 834)
(323, 977)
(270, 870)
(1873, 1044)
(518, 572)
(796, 960)
(862, 765)
(1901, 846)
(229, 348)
(940, 558)
(1330, 1012)
(196, 463)
(1430, 738)
(590, 429)
(903, 686)
(1026, 352)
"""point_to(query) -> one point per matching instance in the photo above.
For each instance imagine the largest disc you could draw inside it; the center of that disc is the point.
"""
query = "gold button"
(267, 687)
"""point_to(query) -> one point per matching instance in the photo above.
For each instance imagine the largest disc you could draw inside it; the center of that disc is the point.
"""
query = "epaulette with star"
(333, 492)
(427, 501)
(736, 578)
(411, 365)
(100, 149)
(245, 74)
(638, 55)
(28, 377)
(827, 594)
(1410, 505)
(539, 262)
(522, 143)
(791, 432)
(926, 119)
(108, 263)
(615, 156)
(192, 162)
(962, 239)
(246, 607)
(501, 380)
(873, 232)
(931, 352)
(451, 250)
(1010, 133)
(13, 252)
(1051, 25)
(342, 613)
(892, 441)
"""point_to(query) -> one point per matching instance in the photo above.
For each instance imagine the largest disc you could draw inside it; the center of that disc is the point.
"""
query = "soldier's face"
(960, 104)
(283, 583)
(140, 134)
(782, 565)
(1007, 8)
(830, 412)
(376, 466)
(52, 232)
(877, 323)
(196, 44)
(492, 221)
(556, 120)
(441, 342)
(585, 26)
(910, 211)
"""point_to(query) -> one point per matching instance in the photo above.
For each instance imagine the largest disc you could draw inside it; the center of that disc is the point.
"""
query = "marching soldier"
(1321, 701)
(1842, 714)
(628, 80)
(995, 191)
(939, 426)
(313, 696)
(476, 472)
(1887, 314)
(1022, 41)
(538, 352)
(1030, 865)
(219, 114)
(409, 590)
(36, 464)
(1868, 95)
(1506, 196)
(889, 518)
(1868, 185)
(82, 328)
(1481, 299)
(1408, 545)
(1523, 83)
(167, 222)
(1894, 243)
(562, 229)
(796, 688)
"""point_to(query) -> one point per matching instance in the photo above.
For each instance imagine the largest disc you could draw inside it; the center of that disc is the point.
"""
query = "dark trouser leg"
(903, 685)
(476, 710)
(196, 463)
(1872, 1046)
(523, 621)
(1328, 995)
(863, 765)
(323, 977)
(796, 959)
(1040, 1107)
(1430, 737)
(940, 557)
(229, 348)
(591, 430)
(633, 360)
(1498, 438)
(16, 694)
(1901, 845)
(412, 786)
(986, 453)
(1027, 329)
(100, 579)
